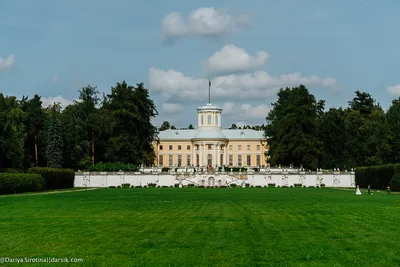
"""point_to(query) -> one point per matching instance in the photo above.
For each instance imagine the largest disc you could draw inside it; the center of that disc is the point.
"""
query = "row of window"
(210, 147)
(189, 162)
(209, 120)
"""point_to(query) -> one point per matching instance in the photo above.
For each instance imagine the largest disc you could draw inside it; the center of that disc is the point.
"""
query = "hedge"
(55, 178)
(20, 182)
(113, 167)
(378, 177)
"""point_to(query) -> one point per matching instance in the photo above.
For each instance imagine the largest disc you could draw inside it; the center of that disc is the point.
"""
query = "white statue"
(358, 192)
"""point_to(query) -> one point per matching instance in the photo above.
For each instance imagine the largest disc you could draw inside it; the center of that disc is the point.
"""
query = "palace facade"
(209, 145)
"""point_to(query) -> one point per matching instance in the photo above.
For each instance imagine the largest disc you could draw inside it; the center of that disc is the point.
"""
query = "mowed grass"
(203, 227)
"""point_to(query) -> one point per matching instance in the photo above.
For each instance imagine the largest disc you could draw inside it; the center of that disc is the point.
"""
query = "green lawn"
(200, 226)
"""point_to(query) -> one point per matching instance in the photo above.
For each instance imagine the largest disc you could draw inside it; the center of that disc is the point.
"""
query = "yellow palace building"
(209, 145)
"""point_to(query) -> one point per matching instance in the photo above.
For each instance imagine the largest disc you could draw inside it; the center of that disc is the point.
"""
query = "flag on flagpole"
(209, 82)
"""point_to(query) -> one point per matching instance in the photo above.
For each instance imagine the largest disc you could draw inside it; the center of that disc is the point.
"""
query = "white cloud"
(243, 86)
(8, 63)
(250, 112)
(234, 59)
(394, 90)
(47, 101)
(201, 22)
(245, 111)
(171, 108)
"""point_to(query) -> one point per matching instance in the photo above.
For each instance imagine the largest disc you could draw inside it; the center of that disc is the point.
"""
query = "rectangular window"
(230, 160)
(248, 147)
(160, 160)
(170, 160)
(179, 160)
(179, 147)
(161, 147)
(239, 160)
(209, 146)
(188, 147)
(249, 160)
(230, 147)
(258, 147)
(258, 160)
(188, 161)
(239, 147)
(170, 148)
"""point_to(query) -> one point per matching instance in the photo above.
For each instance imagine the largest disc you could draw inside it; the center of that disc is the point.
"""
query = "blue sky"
(248, 48)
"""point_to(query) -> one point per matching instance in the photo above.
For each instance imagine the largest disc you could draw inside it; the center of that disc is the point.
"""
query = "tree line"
(116, 127)
(301, 132)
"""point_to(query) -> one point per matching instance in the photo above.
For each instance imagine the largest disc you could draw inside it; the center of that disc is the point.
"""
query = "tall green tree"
(393, 120)
(55, 142)
(332, 134)
(12, 132)
(292, 129)
(164, 126)
(35, 144)
(132, 132)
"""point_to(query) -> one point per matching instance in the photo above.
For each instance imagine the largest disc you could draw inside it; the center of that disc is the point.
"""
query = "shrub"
(258, 186)
(138, 186)
(11, 170)
(113, 167)
(112, 186)
(395, 182)
(311, 186)
(235, 169)
(165, 169)
(233, 185)
(247, 185)
(271, 185)
(165, 186)
(190, 185)
(152, 185)
(125, 185)
(201, 186)
(298, 185)
(55, 178)
(223, 186)
(119, 186)
(21, 182)
(322, 185)
(176, 185)
(378, 177)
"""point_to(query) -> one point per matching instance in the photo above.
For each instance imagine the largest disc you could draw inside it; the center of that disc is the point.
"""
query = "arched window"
(202, 120)
(209, 119)
(216, 119)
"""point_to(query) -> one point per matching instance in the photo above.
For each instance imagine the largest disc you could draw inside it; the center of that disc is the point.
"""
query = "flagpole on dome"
(209, 90)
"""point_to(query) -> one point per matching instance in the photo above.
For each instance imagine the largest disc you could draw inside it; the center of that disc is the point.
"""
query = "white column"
(214, 162)
(205, 154)
(200, 155)
(225, 155)
(194, 155)
(219, 119)
(218, 155)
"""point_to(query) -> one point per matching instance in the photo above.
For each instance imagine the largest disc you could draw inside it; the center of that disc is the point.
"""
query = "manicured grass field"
(203, 227)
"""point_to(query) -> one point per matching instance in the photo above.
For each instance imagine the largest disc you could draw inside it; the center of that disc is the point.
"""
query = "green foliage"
(113, 167)
(271, 185)
(20, 182)
(55, 178)
(378, 177)
(292, 129)
(395, 182)
(165, 169)
(298, 185)
(55, 142)
(125, 185)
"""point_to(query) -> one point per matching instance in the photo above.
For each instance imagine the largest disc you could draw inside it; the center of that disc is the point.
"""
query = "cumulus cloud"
(202, 22)
(394, 90)
(47, 101)
(234, 59)
(7, 63)
(243, 86)
(171, 108)
(245, 111)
